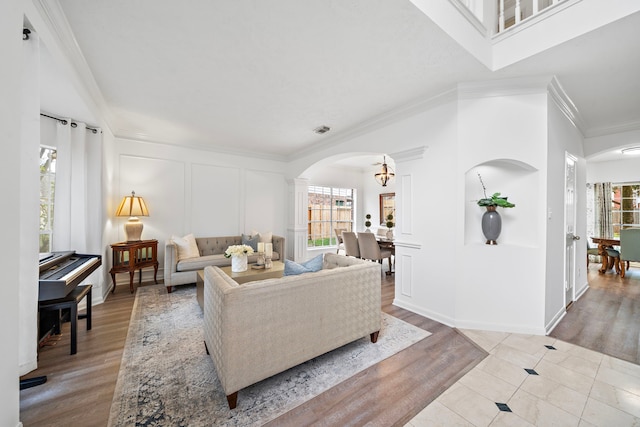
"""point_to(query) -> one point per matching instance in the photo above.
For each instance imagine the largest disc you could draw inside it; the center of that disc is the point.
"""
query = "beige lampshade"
(133, 206)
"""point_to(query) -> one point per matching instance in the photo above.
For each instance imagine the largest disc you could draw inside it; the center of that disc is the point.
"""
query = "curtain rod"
(73, 124)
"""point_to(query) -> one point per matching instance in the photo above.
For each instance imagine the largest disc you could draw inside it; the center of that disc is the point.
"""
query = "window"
(329, 208)
(47, 192)
(625, 209)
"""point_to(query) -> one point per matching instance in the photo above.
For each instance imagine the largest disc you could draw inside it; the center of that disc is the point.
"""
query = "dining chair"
(591, 252)
(339, 232)
(629, 248)
(351, 247)
(370, 249)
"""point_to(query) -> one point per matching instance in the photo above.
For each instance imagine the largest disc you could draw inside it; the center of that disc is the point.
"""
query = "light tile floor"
(573, 387)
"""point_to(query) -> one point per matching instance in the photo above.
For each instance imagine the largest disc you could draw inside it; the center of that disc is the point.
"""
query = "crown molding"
(57, 26)
(609, 130)
(411, 154)
(135, 137)
(377, 122)
(564, 103)
(503, 87)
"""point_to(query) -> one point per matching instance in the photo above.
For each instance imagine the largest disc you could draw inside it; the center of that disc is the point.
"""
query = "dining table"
(605, 243)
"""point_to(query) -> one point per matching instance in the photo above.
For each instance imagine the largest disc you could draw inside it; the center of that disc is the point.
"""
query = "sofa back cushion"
(216, 245)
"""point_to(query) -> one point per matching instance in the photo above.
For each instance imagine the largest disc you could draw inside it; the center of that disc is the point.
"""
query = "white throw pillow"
(187, 247)
(266, 237)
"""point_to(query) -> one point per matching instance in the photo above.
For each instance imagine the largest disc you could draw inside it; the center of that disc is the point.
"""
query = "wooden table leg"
(602, 251)
(131, 274)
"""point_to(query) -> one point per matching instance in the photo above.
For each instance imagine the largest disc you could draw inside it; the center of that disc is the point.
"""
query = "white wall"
(504, 138)
(11, 18)
(563, 138)
(627, 170)
(193, 191)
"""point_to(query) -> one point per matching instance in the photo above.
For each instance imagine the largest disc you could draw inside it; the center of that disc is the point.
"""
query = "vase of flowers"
(491, 220)
(239, 255)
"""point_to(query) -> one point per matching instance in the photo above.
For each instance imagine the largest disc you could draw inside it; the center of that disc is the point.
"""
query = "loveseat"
(211, 249)
(258, 329)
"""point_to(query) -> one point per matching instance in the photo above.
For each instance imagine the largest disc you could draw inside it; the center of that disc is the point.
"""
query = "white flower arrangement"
(238, 250)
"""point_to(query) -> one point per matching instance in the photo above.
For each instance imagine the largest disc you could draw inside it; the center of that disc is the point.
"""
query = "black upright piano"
(61, 272)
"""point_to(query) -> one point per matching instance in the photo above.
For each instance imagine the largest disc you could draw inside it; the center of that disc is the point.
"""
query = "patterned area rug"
(167, 379)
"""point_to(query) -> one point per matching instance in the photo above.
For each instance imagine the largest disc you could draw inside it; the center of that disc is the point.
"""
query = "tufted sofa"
(184, 271)
(258, 329)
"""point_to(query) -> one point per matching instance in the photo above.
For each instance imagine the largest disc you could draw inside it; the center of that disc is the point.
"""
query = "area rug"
(167, 379)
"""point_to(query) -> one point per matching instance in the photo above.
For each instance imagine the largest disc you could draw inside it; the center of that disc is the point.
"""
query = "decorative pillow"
(266, 237)
(251, 240)
(187, 247)
(292, 268)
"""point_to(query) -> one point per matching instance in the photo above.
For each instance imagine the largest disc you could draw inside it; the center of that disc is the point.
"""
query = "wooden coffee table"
(250, 275)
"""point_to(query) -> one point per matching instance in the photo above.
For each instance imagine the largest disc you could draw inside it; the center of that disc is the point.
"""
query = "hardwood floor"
(80, 387)
(607, 317)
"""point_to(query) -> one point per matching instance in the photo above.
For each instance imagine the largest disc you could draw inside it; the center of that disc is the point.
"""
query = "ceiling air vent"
(322, 129)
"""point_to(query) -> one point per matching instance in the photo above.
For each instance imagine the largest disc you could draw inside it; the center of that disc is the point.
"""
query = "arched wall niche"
(517, 180)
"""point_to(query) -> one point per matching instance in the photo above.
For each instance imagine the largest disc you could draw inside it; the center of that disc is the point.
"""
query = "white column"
(297, 228)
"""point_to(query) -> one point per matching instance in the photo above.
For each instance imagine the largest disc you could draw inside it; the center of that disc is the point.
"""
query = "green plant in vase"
(390, 226)
(367, 222)
(491, 220)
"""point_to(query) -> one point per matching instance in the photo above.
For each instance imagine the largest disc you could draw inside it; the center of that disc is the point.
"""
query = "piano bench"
(71, 302)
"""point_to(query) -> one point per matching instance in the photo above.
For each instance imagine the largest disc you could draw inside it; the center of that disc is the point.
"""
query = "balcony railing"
(512, 12)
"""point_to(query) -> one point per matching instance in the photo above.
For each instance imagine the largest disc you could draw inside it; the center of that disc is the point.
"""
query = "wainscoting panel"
(406, 204)
(406, 263)
(215, 204)
(265, 202)
(161, 183)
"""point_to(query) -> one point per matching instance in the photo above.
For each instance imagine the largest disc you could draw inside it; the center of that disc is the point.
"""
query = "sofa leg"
(169, 289)
(206, 348)
(374, 336)
(232, 399)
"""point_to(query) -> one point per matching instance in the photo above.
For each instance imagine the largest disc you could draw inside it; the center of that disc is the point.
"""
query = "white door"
(570, 221)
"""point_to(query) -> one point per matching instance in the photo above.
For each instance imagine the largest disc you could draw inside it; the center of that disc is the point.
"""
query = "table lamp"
(132, 206)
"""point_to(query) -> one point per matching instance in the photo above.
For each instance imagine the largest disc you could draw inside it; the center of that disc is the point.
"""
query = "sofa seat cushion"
(199, 263)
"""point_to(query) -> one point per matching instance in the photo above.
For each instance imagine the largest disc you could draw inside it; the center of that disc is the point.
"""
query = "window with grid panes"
(329, 208)
(625, 209)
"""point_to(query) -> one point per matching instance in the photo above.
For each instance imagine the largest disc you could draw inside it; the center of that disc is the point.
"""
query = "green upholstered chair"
(629, 247)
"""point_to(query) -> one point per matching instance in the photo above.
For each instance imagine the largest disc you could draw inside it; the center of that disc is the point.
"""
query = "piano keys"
(61, 272)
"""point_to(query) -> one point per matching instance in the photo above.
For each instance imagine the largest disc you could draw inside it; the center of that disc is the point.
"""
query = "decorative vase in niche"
(239, 263)
(491, 225)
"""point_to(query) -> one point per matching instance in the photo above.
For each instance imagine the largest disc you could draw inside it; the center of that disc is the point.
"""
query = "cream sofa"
(184, 271)
(258, 329)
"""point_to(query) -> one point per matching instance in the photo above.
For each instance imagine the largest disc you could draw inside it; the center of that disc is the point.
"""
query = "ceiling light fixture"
(322, 129)
(631, 151)
(385, 174)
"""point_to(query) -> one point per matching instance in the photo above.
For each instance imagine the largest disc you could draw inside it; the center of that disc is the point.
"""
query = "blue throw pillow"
(315, 263)
(251, 241)
(292, 268)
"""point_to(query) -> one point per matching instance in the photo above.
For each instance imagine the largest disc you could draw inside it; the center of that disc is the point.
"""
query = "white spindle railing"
(518, 8)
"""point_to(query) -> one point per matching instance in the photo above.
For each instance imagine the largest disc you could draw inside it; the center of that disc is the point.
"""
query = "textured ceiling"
(259, 76)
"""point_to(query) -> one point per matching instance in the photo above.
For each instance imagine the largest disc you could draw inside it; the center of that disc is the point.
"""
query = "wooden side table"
(132, 256)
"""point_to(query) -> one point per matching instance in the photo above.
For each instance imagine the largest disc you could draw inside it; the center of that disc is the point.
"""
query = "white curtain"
(604, 224)
(77, 204)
